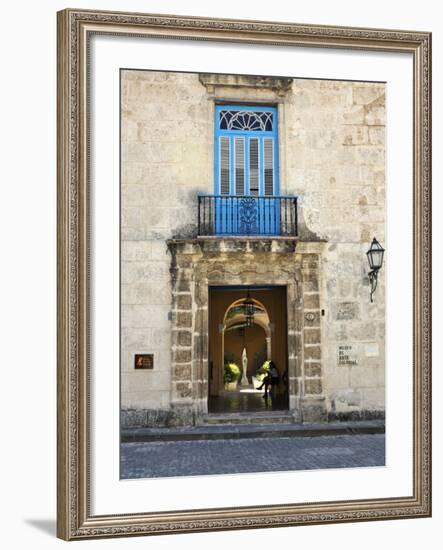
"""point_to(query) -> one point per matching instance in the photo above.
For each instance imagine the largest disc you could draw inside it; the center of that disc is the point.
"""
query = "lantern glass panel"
(377, 258)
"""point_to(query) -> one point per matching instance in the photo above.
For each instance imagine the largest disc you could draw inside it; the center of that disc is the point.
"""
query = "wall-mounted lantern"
(375, 259)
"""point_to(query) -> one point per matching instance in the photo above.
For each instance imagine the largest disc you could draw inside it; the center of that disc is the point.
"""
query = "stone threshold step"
(215, 419)
(250, 431)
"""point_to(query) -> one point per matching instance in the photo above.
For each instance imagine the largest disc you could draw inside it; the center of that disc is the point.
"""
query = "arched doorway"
(245, 339)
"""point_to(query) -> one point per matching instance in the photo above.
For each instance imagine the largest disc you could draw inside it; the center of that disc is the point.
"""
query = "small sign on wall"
(144, 361)
(347, 356)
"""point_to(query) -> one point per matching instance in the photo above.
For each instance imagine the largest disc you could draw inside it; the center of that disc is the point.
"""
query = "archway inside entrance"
(246, 336)
(247, 339)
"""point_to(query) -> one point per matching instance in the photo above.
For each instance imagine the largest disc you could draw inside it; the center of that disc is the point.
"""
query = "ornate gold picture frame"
(75, 31)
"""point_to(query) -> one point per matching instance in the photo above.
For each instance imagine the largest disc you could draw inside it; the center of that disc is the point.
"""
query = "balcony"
(246, 215)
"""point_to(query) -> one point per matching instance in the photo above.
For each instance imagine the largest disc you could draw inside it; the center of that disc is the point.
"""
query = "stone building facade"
(330, 150)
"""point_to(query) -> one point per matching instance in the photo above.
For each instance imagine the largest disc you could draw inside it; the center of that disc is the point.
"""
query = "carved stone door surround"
(199, 263)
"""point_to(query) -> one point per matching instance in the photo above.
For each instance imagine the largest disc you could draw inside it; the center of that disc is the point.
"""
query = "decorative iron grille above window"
(246, 121)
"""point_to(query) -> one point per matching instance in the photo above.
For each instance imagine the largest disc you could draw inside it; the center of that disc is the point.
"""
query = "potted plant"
(231, 376)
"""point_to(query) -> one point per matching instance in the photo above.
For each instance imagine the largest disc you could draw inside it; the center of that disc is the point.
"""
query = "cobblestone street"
(208, 457)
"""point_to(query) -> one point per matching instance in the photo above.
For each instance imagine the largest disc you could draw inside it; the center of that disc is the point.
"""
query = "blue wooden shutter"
(239, 165)
(225, 166)
(268, 166)
(254, 166)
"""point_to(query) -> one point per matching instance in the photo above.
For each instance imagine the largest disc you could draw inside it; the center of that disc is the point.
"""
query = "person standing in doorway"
(274, 379)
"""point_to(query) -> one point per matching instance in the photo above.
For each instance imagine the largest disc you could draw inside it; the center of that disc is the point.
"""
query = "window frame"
(246, 134)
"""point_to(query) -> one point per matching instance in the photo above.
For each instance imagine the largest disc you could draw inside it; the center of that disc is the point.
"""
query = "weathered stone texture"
(182, 389)
(312, 336)
(294, 386)
(143, 316)
(311, 301)
(182, 372)
(332, 152)
(183, 285)
(183, 301)
(313, 410)
(146, 380)
(184, 319)
(313, 386)
(346, 311)
(136, 339)
(133, 418)
(182, 355)
(312, 352)
(310, 283)
(312, 369)
(161, 338)
(182, 337)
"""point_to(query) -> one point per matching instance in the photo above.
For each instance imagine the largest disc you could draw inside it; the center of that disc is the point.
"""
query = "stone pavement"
(242, 455)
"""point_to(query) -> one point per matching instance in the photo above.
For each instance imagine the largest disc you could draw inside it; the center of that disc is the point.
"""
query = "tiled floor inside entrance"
(246, 401)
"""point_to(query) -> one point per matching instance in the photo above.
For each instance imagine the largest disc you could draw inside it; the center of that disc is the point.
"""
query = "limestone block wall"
(331, 152)
(335, 161)
(166, 161)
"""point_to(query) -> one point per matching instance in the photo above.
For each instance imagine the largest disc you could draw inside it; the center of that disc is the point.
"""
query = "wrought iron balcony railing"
(247, 215)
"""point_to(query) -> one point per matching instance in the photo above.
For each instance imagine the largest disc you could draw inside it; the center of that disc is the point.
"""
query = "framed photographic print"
(244, 274)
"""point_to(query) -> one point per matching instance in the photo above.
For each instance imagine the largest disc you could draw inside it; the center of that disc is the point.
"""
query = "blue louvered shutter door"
(239, 165)
(225, 166)
(254, 166)
(268, 166)
(246, 165)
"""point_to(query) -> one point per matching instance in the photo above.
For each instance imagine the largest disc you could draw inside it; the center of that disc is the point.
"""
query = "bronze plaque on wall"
(144, 361)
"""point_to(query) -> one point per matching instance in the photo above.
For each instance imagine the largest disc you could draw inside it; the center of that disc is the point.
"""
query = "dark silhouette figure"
(271, 380)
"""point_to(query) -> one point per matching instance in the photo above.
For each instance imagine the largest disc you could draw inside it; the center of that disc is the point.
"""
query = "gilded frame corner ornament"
(73, 509)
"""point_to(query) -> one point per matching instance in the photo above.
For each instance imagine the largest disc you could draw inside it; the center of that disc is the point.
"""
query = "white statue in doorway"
(244, 360)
